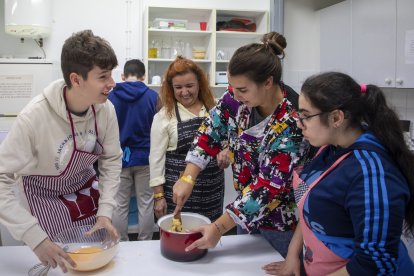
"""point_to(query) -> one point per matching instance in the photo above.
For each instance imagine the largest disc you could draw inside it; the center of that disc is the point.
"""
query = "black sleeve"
(292, 96)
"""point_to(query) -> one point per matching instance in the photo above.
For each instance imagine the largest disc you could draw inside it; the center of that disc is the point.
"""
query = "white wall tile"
(410, 116)
(399, 98)
(410, 98)
(401, 111)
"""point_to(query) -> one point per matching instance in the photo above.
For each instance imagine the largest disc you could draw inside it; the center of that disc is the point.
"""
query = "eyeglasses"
(307, 117)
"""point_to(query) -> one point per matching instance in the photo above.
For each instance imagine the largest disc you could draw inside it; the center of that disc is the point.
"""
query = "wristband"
(158, 198)
(158, 195)
(188, 179)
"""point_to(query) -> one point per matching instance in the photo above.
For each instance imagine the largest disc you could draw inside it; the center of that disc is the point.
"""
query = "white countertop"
(238, 255)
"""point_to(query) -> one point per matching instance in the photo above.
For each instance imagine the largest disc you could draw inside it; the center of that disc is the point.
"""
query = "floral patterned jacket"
(264, 156)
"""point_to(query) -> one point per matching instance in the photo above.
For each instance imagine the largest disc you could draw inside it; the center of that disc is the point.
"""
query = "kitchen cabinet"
(374, 41)
(404, 76)
(335, 38)
(374, 36)
(170, 39)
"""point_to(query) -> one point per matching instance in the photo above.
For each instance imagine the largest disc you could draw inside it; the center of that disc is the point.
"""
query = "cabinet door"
(335, 38)
(374, 41)
(404, 76)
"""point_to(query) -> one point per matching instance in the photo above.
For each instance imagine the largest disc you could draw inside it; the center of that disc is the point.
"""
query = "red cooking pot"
(173, 244)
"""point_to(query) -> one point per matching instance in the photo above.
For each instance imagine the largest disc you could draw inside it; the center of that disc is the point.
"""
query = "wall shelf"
(209, 40)
(177, 32)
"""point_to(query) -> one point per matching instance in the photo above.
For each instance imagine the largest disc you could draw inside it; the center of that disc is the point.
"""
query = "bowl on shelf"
(88, 252)
(199, 54)
(173, 243)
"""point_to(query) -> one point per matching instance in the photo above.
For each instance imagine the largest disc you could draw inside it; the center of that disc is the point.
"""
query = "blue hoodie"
(135, 106)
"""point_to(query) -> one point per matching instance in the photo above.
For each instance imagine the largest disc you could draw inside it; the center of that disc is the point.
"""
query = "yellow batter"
(84, 254)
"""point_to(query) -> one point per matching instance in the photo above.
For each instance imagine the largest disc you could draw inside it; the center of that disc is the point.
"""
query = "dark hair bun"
(276, 42)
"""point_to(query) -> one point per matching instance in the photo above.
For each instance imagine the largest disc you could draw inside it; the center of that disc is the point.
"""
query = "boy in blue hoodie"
(135, 106)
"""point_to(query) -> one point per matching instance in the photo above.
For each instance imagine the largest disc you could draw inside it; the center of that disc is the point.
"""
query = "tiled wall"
(402, 100)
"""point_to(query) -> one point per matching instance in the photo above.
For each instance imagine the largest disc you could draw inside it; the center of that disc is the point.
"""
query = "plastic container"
(188, 52)
(199, 54)
(163, 23)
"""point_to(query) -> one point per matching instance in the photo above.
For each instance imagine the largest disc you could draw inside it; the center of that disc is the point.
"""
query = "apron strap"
(177, 113)
(70, 118)
(71, 121)
(96, 126)
(333, 166)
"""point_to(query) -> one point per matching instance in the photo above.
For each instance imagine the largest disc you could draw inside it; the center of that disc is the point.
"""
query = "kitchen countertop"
(237, 255)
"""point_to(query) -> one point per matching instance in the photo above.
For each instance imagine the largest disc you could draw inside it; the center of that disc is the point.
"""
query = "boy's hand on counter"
(51, 254)
(105, 222)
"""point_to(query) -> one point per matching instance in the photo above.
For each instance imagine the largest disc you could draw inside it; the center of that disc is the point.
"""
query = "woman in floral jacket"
(257, 121)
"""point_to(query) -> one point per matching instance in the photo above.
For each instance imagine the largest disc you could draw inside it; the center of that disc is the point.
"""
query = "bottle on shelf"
(153, 51)
(158, 47)
(165, 50)
(177, 49)
(188, 51)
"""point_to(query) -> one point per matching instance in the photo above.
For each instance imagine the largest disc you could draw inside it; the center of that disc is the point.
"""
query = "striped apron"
(208, 193)
(69, 199)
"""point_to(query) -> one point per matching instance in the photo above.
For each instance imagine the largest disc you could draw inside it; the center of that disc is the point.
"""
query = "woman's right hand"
(51, 254)
(160, 207)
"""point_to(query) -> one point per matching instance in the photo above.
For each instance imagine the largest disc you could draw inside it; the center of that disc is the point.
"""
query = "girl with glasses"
(357, 192)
